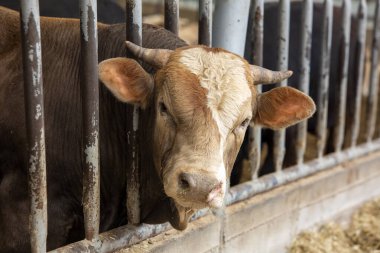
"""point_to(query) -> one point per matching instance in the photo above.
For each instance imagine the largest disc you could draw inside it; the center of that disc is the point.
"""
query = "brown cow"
(197, 106)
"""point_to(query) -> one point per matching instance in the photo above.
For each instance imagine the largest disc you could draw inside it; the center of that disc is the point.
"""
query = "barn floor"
(268, 222)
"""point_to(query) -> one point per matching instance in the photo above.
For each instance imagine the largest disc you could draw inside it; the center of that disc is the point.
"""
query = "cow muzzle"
(198, 189)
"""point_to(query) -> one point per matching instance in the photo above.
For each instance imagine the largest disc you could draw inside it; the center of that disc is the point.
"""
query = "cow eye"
(162, 108)
(245, 123)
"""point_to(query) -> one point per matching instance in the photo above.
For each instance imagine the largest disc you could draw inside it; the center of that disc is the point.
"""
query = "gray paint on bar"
(322, 103)
(133, 34)
(34, 108)
(359, 72)
(254, 133)
(374, 78)
(90, 108)
(304, 79)
(282, 64)
(343, 72)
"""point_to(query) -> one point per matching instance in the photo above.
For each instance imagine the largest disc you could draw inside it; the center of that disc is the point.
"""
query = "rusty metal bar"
(374, 79)
(90, 114)
(34, 109)
(128, 235)
(254, 133)
(322, 103)
(172, 16)
(306, 39)
(282, 64)
(205, 22)
(359, 70)
(344, 51)
(133, 34)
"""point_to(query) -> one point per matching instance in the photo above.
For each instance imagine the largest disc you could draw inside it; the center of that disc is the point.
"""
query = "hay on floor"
(362, 235)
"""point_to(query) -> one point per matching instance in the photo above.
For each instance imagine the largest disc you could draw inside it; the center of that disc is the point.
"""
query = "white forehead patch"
(223, 75)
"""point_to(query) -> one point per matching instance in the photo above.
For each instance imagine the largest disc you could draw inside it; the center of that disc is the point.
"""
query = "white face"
(202, 149)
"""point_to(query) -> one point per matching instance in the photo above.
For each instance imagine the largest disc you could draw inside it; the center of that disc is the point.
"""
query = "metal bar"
(34, 109)
(229, 27)
(344, 51)
(374, 85)
(359, 71)
(90, 110)
(133, 34)
(128, 235)
(304, 79)
(322, 103)
(254, 133)
(282, 64)
(248, 189)
(172, 16)
(205, 22)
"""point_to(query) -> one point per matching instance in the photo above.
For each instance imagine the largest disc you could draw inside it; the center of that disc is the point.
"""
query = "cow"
(196, 104)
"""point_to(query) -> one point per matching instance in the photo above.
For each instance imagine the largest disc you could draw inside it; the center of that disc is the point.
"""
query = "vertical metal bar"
(134, 34)
(254, 133)
(282, 64)
(344, 51)
(34, 109)
(374, 85)
(306, 39)
(205, 22)
(229, 27)
(359, 71)
(324, 74)
(90, 110)
(172, 16)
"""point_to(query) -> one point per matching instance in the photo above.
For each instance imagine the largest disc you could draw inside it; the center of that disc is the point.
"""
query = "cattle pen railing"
(132, 233)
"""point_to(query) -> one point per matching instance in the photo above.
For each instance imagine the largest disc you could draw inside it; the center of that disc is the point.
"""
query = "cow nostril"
(186, 181)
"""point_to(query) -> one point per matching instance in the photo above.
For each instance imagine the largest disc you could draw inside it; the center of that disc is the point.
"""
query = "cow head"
(204, 99)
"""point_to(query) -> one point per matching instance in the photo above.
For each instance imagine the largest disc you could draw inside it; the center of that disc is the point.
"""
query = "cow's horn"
(155, 57)
(266, 76)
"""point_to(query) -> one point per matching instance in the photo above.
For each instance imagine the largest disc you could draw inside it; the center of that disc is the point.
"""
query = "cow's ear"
(282, 107)
(127, 80)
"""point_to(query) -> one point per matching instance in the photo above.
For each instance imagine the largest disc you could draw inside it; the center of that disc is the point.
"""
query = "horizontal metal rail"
(128, 235)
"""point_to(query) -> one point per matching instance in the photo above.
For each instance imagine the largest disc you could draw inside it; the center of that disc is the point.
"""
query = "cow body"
(61, 61)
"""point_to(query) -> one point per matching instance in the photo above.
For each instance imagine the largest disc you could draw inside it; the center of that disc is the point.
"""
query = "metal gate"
(133, 233)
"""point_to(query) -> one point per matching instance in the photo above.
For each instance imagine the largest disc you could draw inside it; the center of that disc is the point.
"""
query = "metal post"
(90, 110)
(282, 64)
(324, 75)
(343, 75)
(172, 15)
(34, 109)
(230, 25)
(374, 81)
(359, 70)
(205, 22)
(254, 133)
(134, 34)
(306, 39)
